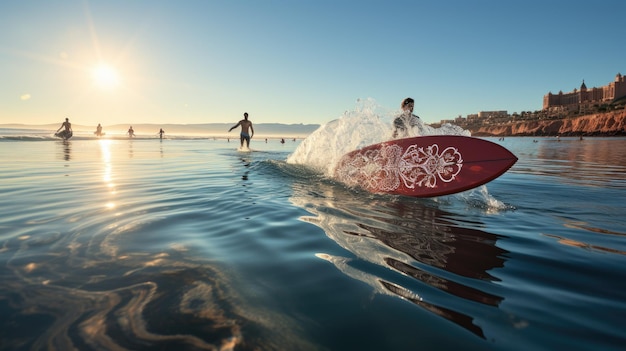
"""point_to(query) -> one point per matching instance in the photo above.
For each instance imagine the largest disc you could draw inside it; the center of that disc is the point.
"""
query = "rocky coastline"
(597, 124)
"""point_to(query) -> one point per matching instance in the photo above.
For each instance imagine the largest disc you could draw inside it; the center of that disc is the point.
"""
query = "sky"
(296, 61)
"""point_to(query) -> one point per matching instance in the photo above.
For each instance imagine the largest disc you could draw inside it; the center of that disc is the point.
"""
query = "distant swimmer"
(403, 124)
(246, 128)
(161, 132)
(98, 131)
(131, 132)
(67, 133)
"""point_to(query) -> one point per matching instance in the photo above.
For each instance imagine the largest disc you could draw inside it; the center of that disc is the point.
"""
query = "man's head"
(408, 104)
(245, 115)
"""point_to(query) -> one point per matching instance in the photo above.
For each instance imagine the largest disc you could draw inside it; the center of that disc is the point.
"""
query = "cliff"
(598, 124)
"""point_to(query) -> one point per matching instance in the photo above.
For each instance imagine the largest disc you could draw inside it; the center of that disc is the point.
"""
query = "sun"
(106, 76)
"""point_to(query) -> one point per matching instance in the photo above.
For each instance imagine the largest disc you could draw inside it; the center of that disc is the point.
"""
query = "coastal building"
(583, 98)
(484, 116)
(492, 114)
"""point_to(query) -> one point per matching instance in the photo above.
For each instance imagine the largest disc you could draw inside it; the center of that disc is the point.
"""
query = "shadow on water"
(427, 255)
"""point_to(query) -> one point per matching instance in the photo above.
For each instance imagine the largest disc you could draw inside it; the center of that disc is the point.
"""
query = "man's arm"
(235, 126)
(251, 129)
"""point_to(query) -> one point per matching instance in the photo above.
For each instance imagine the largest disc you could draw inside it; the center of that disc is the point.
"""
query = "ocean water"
(190, 244)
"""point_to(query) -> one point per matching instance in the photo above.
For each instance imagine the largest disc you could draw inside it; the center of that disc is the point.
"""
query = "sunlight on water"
(191, 244)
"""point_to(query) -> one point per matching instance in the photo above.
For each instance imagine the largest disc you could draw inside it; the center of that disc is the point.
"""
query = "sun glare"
(106, 76)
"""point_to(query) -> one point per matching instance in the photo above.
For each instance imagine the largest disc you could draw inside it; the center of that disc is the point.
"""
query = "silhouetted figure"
(67, 133)
(131, 132)
(98, 131)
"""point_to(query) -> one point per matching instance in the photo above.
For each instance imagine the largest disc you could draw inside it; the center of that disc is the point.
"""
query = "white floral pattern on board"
(386, 168)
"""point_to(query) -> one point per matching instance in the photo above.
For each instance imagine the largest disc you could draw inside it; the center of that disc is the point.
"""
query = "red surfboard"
(425, 166)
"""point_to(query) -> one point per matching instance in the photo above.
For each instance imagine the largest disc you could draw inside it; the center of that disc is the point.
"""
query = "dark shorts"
(245, 136)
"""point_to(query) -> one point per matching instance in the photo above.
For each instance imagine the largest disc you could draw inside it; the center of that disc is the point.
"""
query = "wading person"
(67, 133)
(247, 131)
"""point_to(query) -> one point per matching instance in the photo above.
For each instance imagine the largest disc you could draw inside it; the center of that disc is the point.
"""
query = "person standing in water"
(131, 132)
(246, 128)
(67, 133)
(98, 130)
(403, 124)
(161, 132)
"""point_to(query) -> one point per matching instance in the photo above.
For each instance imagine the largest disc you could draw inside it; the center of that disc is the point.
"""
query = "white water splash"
(480, 198)
(369, 123)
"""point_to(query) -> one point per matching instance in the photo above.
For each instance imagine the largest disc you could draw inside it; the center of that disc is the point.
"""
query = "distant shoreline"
(12, 133)
(210, 130)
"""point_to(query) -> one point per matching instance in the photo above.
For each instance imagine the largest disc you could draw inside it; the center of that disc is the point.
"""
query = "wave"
(369, 123)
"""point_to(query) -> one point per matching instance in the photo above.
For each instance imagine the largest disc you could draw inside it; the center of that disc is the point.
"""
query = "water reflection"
(90, 292)
(602, 151)
(416, 239)
(130, 310)
(583, 245)
(67, 150)
(246, 164)
(598, 162)
(92, 279)
(107, 171)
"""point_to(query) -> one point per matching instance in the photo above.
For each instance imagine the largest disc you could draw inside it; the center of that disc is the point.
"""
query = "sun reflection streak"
(107, 173)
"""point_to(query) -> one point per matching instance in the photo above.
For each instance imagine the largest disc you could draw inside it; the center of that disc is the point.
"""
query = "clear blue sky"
(296, 61)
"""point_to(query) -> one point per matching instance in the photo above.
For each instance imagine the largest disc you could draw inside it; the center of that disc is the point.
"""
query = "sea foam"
(369, 123)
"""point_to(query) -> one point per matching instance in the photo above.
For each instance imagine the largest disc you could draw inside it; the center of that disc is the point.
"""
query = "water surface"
(192, 245)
